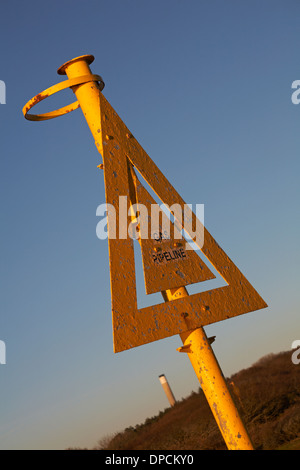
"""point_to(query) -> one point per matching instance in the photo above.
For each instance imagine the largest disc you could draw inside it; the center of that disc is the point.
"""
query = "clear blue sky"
(206, 89)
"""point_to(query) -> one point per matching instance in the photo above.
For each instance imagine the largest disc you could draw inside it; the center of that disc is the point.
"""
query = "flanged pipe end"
(88, 58)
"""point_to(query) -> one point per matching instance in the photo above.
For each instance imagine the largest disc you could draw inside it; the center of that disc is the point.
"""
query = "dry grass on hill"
(269, 404)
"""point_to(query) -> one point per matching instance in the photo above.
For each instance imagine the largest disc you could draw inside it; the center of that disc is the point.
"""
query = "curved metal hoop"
(54, 89)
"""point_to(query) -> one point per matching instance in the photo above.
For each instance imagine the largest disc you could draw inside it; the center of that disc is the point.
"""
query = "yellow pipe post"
(87, 94)
(197, 346)
(195, 342)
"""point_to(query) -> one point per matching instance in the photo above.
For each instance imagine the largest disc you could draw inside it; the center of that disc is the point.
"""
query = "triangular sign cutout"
(132, 326)
(168, 260)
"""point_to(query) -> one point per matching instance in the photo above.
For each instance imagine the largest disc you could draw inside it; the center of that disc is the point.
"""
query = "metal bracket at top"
(54, 89)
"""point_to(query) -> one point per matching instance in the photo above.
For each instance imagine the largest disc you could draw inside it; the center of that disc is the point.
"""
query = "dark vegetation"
(267, 395)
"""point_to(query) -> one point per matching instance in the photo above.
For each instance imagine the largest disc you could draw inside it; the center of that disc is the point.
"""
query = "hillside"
(269, 403)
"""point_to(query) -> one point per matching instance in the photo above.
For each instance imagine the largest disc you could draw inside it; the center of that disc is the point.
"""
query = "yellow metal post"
(197, 346)
(87, 94)
(87, 88)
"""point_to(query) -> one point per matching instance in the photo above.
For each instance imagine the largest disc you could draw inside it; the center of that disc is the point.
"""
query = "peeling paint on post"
(180, 314)
(217, 393)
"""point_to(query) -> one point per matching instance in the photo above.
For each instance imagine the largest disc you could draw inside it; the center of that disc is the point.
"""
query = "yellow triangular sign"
(133, 326)
(167, 262)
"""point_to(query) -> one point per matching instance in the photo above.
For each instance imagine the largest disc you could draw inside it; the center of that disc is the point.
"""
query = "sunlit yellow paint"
(87, 94)
(199, 350)
(122, 156)
(185, 270)
(180, 313)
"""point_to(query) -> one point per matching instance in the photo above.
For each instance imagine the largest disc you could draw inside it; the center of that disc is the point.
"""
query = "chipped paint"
(215, 388)
(180, 313)
(71, 83)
